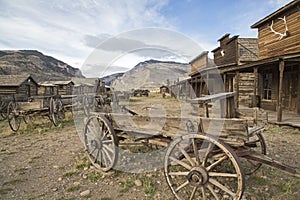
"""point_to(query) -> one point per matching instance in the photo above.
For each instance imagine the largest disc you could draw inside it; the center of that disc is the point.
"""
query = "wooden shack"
(204, 76)
(62, 87)
(88, 86)
(277, 70)
(21, 85)
(47, 89)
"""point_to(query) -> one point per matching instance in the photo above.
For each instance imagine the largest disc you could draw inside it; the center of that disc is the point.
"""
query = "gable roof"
(57, 82)
(14, 80)
(276, 13)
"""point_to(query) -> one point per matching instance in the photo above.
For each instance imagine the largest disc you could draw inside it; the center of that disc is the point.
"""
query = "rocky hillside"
(40, 66)
(111, 78)
(151, 75)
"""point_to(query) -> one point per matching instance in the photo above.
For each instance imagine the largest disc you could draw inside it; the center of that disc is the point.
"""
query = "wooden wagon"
(25, 108)
(208, 160)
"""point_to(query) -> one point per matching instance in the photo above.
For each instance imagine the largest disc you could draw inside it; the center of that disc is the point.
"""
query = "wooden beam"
(279, 101)
(255, 86)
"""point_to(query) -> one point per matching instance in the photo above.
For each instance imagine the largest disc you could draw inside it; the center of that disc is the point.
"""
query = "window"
(267, 78)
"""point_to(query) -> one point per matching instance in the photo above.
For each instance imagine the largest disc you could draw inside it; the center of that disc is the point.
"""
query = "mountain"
(111, 78)
(151, 75)
(41, 67)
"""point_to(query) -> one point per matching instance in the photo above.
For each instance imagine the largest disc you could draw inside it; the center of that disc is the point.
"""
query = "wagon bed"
(50, 106)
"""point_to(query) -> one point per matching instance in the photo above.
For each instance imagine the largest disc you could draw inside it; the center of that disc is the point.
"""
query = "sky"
(106, 36)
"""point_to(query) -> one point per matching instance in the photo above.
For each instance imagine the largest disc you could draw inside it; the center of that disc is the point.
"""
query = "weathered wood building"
(203, 74)
(89, 85)
(56, 87)
(21, 85)
(277, 70)
(231, 53)
(47, 89)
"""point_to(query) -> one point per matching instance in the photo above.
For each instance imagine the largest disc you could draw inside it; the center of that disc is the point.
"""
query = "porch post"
(224, 80)
(237, 80)
(279, 101)
(255, 86)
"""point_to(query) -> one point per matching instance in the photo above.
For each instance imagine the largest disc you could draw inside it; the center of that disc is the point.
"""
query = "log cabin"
(59, 87)
(19, 85)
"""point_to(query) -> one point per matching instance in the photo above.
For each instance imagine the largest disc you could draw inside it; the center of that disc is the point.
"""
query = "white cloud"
(278, 3)
(59, 27)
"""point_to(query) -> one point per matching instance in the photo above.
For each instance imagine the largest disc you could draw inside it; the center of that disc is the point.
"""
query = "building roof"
(204, 53)
(56, 82)
(85, 81)
(276, 13)
(13, 80)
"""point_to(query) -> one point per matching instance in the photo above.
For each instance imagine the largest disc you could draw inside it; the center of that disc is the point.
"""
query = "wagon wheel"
(198, 166)
(27, 119)
(56, 111)
(101, 142)
(3, 109)
(257, 144)
(86, 106)
(13, 116)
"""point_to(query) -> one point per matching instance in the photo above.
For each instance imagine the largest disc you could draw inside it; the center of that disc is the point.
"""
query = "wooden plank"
(233, 131)
(29, 105)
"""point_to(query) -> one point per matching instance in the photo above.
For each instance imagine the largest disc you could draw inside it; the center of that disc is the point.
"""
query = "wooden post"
(279, 101)
(237, 81)
(196, 87)
(290, 93)
(224, 80)
(255, 86)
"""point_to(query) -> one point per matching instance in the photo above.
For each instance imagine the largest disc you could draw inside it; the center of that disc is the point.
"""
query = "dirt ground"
(50, 163)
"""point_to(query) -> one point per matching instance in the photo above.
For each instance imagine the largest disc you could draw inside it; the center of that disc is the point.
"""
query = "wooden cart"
(50, 106)
(206, 161)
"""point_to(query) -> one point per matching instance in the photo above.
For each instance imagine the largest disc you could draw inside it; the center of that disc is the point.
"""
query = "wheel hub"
(198, 176)
(97, 144)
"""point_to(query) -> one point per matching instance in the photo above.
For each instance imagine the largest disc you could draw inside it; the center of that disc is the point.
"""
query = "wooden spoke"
(216, 163)
(196, 151)
(186, 155)
(206, 154)
(222, 174)
(183, 164)
(222, 187)
(107, 155)
(104, 159)
(178, 173)
(193, 193)
(96, 157)
(91, 153)
(203, 193)
(213, 192)
(109, 149)
(182, 186)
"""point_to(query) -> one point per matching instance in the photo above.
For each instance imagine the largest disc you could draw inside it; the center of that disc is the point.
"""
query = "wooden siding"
(230, 53)
(246, 85)
(247, 50)
(200, 62)
(269, 43)
(28, 89)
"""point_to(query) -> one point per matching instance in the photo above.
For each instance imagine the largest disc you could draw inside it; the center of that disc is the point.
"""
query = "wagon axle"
(198, 176)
